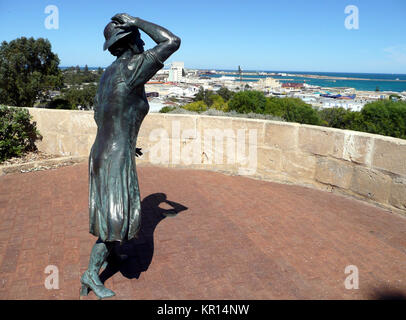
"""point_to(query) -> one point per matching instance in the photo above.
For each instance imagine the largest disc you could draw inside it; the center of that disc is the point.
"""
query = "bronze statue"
(120, 107)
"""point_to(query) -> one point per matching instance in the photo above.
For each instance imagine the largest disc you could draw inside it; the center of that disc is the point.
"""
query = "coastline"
(310, 76)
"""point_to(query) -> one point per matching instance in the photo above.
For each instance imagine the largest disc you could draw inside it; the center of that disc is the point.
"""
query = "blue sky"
(297, 35)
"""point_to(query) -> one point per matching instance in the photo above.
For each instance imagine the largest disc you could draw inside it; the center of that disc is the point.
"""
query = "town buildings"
(178, 85)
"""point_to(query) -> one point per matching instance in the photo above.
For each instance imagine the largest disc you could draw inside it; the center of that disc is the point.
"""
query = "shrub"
(225, 93)
(17, 133)
(293, 110)
(59, 103)
(167, 109)
(218, 103)
(248, 101)
(197, 106)
(385, 117)
(205, 96)
(80, 97)
(335, 117)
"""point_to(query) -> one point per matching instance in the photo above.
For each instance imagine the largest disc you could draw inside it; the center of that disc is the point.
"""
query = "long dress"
(120, 107)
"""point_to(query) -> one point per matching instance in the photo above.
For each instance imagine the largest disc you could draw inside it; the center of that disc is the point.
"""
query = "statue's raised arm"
(123, 40)
(167, 42)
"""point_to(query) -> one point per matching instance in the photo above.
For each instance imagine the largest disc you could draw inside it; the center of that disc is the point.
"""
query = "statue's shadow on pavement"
(135, 256)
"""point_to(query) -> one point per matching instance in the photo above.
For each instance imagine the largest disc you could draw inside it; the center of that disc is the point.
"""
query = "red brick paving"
(238, 239)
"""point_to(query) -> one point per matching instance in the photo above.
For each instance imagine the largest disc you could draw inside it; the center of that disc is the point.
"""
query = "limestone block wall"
(364, 165)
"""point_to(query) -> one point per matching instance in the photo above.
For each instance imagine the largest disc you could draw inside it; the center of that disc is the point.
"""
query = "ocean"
(382, 81)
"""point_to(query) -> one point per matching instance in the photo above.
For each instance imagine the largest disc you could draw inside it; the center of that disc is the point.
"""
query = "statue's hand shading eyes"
(138, 152)
(124, 20)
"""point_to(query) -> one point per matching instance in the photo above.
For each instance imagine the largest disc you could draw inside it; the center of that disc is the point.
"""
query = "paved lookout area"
(231, 238)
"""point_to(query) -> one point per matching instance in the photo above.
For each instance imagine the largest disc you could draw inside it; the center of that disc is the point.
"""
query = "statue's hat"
(112, 34)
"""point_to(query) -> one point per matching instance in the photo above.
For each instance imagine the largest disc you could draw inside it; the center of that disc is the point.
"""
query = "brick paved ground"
(238, 239)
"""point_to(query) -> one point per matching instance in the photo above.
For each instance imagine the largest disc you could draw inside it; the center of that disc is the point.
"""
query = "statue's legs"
(90, 278)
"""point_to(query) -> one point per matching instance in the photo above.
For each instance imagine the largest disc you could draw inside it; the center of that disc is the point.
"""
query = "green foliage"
(59, 103)
(167, 109)
(28, 69)
(197, 106)
(80, 97)
(335, 117)
(385, 117)
(296, 110)
(218, 103)
(205, 96)
(248, 101)
(275, 106)
(17, 133)
(353, 120)
(289, 109)
(209, 97)
(74, 76)
(225, 93)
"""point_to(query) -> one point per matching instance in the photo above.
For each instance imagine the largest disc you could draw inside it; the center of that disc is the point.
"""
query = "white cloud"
(397, 53)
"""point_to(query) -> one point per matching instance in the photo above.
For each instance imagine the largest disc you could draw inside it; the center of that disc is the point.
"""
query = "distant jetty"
(310, 76)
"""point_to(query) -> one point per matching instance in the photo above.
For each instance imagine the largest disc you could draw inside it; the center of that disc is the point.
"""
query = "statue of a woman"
(120, 107)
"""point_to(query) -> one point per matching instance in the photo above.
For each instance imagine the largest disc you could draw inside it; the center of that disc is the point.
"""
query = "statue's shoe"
(89, 284)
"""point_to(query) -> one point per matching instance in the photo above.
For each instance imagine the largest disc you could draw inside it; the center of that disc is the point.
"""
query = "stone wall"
(371, 167)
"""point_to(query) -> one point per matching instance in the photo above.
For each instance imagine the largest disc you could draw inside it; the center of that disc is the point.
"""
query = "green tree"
(28, 69)
(205, 96)
(59, 103)
(385, 117)
(225, 93)
(75, 76)
(275, 106)
(353, 120)
(80, 97)
(292, 110)
(248, 101)
(86, 70)
(335, 117)
(218, 103)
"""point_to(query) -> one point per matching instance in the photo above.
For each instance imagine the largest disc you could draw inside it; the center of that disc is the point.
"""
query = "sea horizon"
(389, 82)
(257, 70)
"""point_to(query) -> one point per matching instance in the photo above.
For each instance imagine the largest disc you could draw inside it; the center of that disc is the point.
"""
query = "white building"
(269, 83)
(176, 71)
(346, 104)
